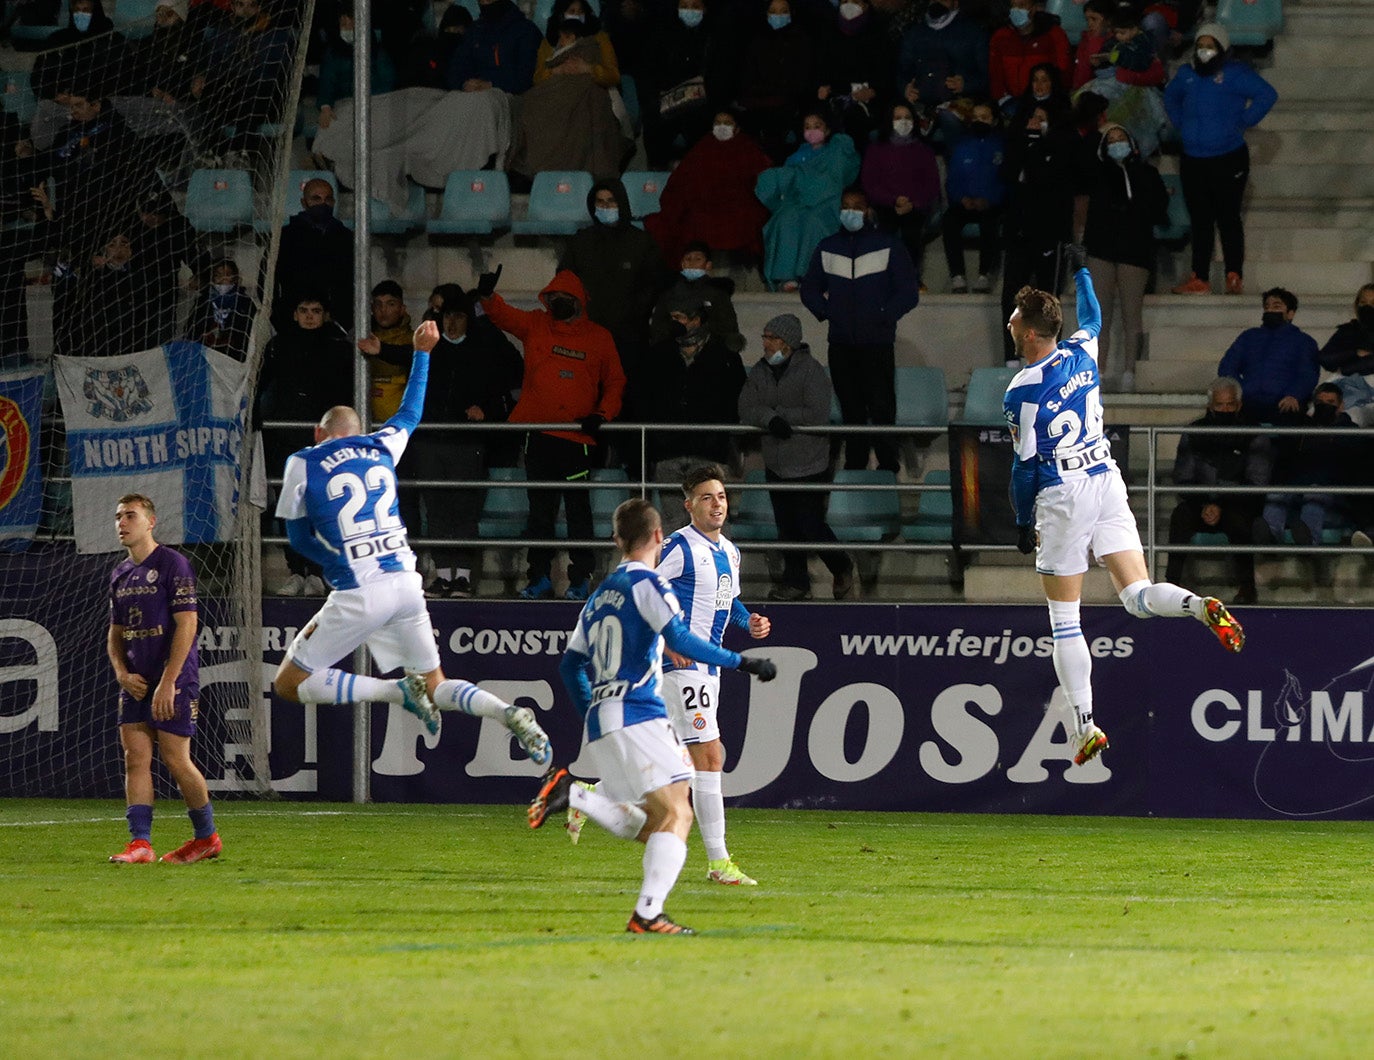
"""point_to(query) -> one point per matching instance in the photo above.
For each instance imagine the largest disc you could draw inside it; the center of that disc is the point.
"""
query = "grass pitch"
(420, 931)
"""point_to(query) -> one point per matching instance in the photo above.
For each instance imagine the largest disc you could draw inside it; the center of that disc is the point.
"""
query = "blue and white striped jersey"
(704, 575)
(345, 488)
(618, 630)
(1054, 409)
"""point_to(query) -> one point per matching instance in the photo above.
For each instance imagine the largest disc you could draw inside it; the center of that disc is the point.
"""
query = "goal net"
(145, 158)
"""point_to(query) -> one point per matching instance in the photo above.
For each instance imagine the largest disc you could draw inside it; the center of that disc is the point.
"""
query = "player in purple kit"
(152, 647)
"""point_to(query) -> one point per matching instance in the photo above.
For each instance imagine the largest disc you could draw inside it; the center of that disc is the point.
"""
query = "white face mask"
(723, 132)
(224, 288)
(1206, 55)
(903, 126)
(776, 358)
(851, 11)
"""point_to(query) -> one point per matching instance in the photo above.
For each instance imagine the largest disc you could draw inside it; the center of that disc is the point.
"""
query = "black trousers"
(550, 459)
(800, 515)
(910, 228)
(989, 238)
(1033, 262)
(448, 512)
(1236, 518)
(866, 384)
(1213, 189)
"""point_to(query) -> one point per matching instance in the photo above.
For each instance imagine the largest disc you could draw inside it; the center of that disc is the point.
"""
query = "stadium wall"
(877, 707)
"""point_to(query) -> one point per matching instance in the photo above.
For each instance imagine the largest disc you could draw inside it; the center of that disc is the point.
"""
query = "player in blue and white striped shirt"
(612, 671)
(1070, 498)
(702, 566)
(338, 499)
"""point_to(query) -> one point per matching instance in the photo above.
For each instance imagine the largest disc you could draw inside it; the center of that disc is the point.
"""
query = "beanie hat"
(179, 6)
(1217, 32)
(786, 327)
(684, 299)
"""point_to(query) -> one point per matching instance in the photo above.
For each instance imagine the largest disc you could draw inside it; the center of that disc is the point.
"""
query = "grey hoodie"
(800, 394)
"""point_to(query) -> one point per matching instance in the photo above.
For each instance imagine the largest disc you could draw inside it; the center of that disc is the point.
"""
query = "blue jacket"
(1211, 114)
(974, 171)
(501, 50)
(862, 282)
(1271, 364)
(928, 56)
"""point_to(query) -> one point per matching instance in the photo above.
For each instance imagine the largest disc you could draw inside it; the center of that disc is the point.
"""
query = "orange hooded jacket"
(572, 369)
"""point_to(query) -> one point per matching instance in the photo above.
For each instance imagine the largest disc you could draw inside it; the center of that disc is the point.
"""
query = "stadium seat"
(35, 35)
(295, 188)
(505, 511)
(387, 222)
(1177, 230)
(751, 512)
(868, 515)
(922, 397)
(544, 8)
(476, 202)
(1070, 15)
(134, 18)
(643, 188)
(983, 402)
(934, 518)
(558, 204)
(219, 200)
(1251, 23)
(605, 501)
(17, 95)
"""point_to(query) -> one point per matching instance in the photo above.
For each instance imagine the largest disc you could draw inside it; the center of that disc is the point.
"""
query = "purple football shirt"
(143, 598)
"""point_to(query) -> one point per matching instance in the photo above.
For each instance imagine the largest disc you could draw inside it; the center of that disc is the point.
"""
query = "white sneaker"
(521, 722)
(293, 586)
(958, 285)
(314, 586)
(982, 285)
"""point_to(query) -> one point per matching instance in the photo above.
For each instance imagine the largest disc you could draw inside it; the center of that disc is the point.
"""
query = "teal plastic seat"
(558, 204)
(476, 202)
(1203, 537)
(644, 188)
(934, 520)
(1070, 15)
(605, 501)
(506, 509)
(134, 18)
(867, 515)
(219, 200)
(983, 403)
(383, 220)
(1179, 226)
(32, 34)
(1251, 23)
(751, 512)
(16, 95)
(922, 396)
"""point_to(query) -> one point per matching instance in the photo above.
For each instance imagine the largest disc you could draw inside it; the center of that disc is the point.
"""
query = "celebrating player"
(612, 670)
(1069, 495)
(338, 500)
(152, 647)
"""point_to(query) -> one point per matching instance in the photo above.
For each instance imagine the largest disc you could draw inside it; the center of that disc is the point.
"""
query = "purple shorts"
(182, 723)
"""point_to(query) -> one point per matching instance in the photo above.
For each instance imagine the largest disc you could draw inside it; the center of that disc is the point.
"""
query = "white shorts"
(692, 697)
(388, 615)
(1082, 514)
(638, 759)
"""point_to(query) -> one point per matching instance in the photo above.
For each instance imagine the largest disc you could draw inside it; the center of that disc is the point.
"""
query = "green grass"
(418, 931)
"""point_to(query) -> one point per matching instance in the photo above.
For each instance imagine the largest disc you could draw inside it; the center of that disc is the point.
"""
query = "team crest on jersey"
(698, 722)
(151, 577)
(117, 394)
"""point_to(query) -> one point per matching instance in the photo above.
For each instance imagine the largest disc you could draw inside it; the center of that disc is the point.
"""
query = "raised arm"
(407, 416)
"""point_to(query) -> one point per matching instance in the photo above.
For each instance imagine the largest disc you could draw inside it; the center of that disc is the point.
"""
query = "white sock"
(467, 697)
(1163, 599)
(664, 856)
(619, 818)
(444, 573)
(336, 686)
(709, 806)
(1072, 662)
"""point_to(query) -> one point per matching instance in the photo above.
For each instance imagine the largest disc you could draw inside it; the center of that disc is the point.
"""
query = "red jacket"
(1011, 55)
(572, 369)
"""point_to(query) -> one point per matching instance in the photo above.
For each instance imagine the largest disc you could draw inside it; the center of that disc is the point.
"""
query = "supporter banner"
(166, 422)
(21, 473)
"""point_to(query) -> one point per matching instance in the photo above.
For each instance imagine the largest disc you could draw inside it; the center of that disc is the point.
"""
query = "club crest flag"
(167, 423)
(21, 473)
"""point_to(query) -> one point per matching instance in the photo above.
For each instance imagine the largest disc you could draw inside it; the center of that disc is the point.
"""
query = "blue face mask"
(693, 274)
(82, 20)
(852, 220)
(777, 358)
(691, 17)
(779, 21)
(1019, 16)
(608, 215)
(1119, 151)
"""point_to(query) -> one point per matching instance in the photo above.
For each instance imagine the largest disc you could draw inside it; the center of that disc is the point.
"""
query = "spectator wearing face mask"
(1028, 38)
(684, 77)
(315, 256)
(497, 51)
(427, 63)
(1329, 458)
(1220, 460)
(855, 69)
(862, 282)
(696, 285)
(572, 375)
(902, 181)
(710, 195)
(975, 191)
(943, 56)
(1350, 351)
(1211, 102)
(778, 79)
(336, 69)
(1126, 199)
(1276, 363)
(86, 52)
(223, 318)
